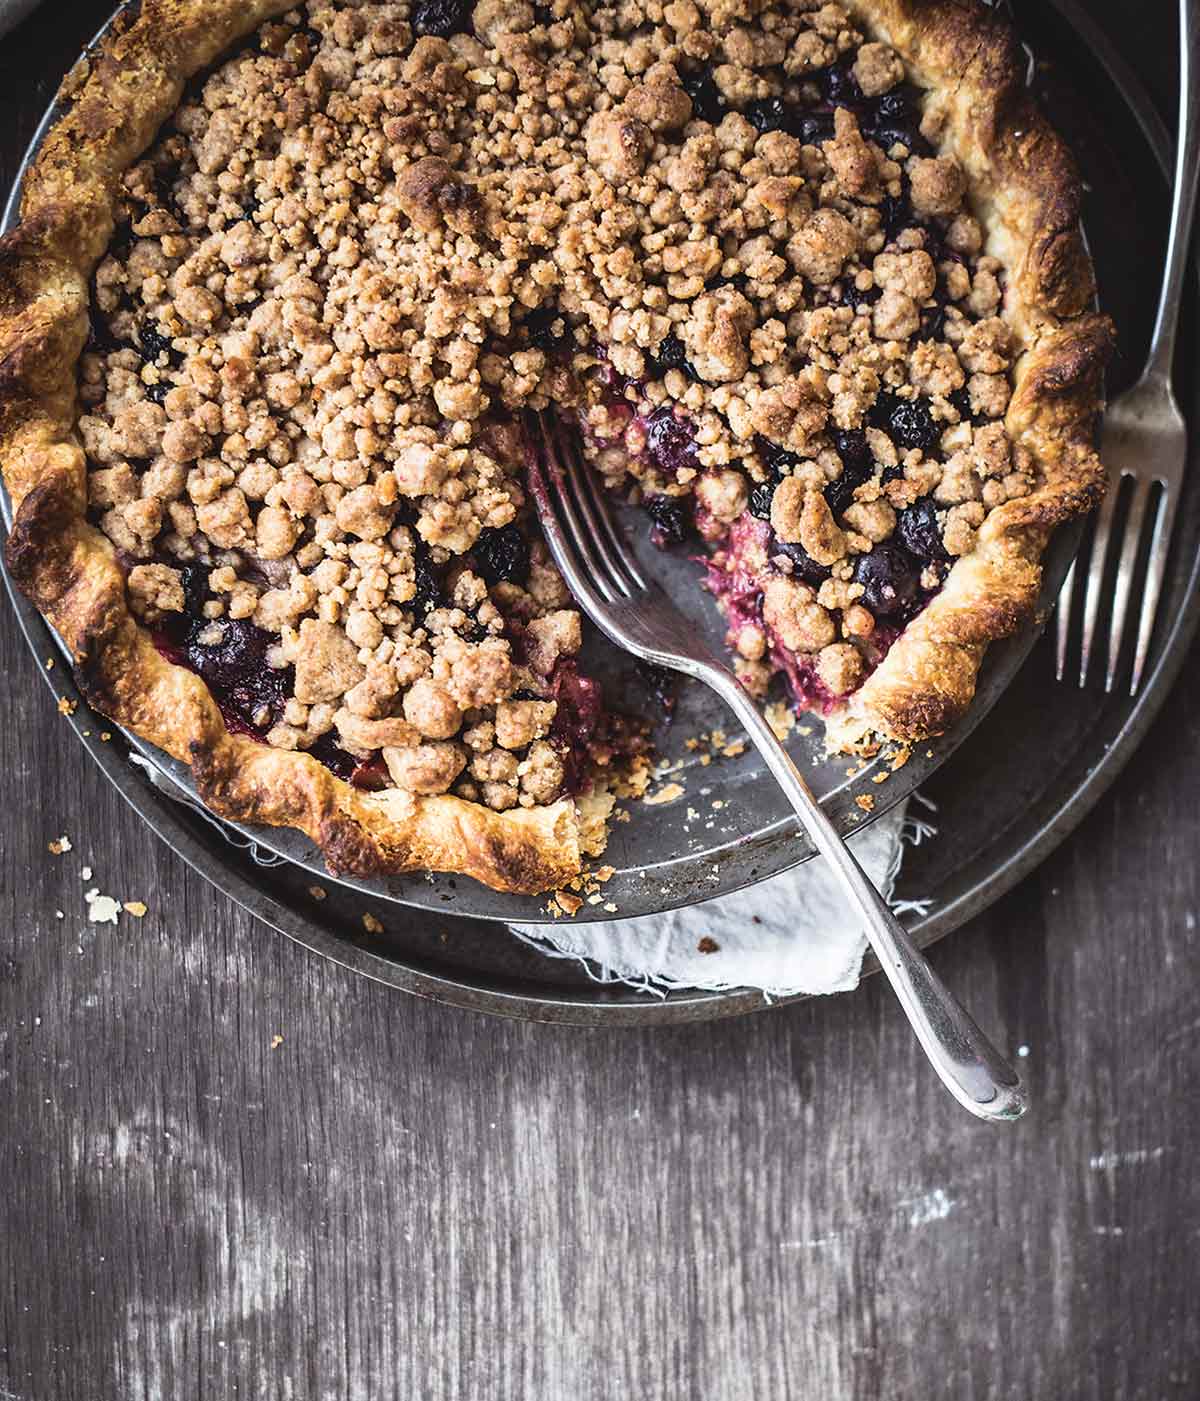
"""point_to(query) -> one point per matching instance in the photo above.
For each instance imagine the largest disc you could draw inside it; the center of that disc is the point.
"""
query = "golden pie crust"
(1023, 187)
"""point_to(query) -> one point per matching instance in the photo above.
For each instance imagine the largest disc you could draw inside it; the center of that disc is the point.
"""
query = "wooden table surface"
(230, 1169)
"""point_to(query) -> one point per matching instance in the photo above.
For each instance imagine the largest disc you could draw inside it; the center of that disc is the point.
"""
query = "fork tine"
(1138, 501)
(1156, 568)
(568, 544)
(1094, 582)
(623, 556)
(1062, 622)
(582, 538)
(602, 535)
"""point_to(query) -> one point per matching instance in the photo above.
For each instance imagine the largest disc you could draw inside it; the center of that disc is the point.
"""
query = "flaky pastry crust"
(70, 570)
(1024, 189)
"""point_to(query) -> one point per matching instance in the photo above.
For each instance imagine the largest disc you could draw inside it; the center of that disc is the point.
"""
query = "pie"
(807, 279)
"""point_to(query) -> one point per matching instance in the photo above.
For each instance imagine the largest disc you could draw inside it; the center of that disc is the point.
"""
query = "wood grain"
(398, 1200)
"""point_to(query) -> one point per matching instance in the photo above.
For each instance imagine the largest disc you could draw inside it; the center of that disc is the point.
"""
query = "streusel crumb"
(721, 238)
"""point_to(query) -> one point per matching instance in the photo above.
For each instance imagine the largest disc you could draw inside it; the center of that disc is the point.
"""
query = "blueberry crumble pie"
(807, 277)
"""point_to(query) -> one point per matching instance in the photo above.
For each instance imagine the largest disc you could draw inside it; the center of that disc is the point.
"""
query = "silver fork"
(637, 615)
(1145, 435)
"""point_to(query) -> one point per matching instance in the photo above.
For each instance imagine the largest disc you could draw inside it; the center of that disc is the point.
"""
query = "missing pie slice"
(809, 279)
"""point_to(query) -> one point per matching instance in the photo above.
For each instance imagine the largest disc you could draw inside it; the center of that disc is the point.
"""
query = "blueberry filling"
(440, 18)
(854, 296)
(891, 580)
(771, 114)
(670, 355)
(669, 441)
(539, 327)
(933, 322)
(671, 517)
(839, 494)
(152, 343)
(779, 460)
(761, 494)
(429, 584)
(234, 667)
(502, 555)
(707, 103)
(852, 447)
(840, 86)
(803, 564)
(918, 531)
(908, 422)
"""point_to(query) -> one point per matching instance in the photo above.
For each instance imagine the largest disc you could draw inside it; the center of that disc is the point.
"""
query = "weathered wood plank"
(400, 1200)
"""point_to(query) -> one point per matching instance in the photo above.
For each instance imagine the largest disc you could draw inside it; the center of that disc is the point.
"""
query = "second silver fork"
(637, 615)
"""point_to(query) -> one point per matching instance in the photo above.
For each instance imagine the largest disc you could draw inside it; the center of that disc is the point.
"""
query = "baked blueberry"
(707, 103)
(803, 564)
(502, 555)
(671, 517)
(153, 342)
(772, 114)
(670, 354)
(908, 422)
(891, 580)
(440, 18)
(918, 531)
(669, 441)
(761, 494)
(540, 328)
(840, 86)
(234, 667)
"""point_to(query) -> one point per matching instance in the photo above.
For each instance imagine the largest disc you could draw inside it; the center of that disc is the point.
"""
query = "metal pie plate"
(1031, 757)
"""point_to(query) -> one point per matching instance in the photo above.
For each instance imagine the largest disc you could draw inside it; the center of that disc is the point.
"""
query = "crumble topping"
(719, 231)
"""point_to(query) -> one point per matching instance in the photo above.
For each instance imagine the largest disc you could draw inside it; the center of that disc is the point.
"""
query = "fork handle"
(971, 1068)
(1183, 206)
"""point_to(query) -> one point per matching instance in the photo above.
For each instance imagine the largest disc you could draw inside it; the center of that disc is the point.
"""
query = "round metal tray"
(660, 860)
(1039, 778)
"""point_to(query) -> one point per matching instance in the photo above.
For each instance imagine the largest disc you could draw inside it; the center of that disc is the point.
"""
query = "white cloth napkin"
(791, 934)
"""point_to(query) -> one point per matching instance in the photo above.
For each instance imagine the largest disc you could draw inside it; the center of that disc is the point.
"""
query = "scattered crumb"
(317, 892)
(664, 795)
(136, 908)
(49, 663)
(85, 873)
(610, 907)
(780, 718)
(276, 1041)
(880, 778)
(707, 945)
(372, 925)
(594, 899)
(900, 758)
(102, 909)
(567, 902)
(60, 847)
(866, 802)
(605, 873)
(58, 914)
(731, 751)
(105, 736)
(66, 706)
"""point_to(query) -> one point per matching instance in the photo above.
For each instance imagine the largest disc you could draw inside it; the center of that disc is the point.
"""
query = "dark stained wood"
(402, 1201)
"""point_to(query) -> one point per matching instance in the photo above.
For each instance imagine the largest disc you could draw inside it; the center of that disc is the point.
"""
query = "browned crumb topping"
(360, 249)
